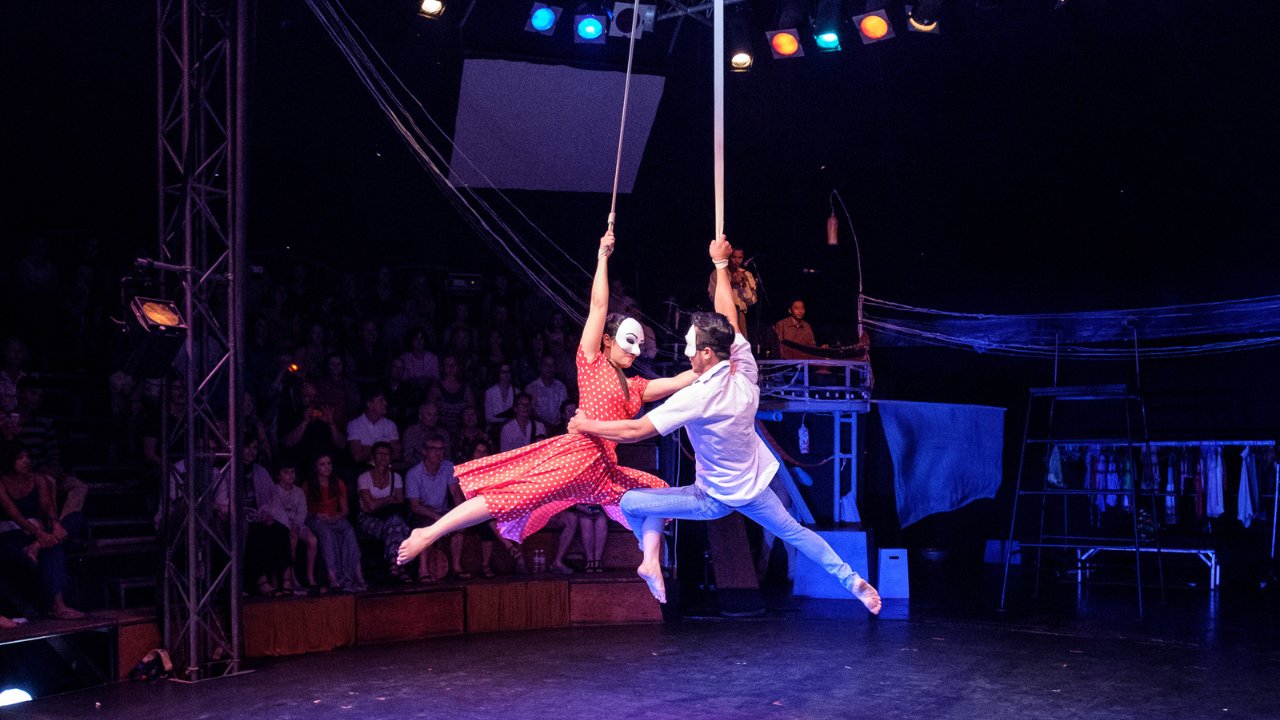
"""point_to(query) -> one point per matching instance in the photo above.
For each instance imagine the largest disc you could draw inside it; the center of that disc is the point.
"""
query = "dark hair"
(611, 323)
(372, 392)
(713, 330)
(9, 454)
(378, 446)
(313, 489)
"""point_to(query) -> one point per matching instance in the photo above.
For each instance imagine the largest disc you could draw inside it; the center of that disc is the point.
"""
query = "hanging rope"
(622, 125)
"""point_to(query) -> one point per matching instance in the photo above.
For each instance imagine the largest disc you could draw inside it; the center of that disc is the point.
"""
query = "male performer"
(734, 466)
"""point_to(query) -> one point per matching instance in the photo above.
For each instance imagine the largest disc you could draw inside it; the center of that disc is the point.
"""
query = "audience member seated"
(311, 430)
(382, 507)
(421, 366)
(312, 355)
(372, 427)
(461, 321)
(368, 358)
(500, 322)
(480, 449)
(470, 431)
(495, 356)
(30, 533)
(460, 348)
(327, 503)
(594, 526)
(499, 399)
(547, 392)
(430, 488)
(403, 397)
(528, 364)
(293, 500)
(252, 423)
(336, 390)
(523, 428)
(173, 414)
(13, 369)
(451, 394)
(36, 433)
(428, 425)
(263, 525)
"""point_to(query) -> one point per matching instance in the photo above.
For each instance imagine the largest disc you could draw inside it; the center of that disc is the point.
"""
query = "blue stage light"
(590, 28)
(543, 19)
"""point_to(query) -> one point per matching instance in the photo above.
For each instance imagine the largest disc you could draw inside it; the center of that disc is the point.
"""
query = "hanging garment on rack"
(1112, 479)
(1248, 497)
(1124, 467)
(1193, 478)
(1054, 475)
(1171, 496)
(1214, 505)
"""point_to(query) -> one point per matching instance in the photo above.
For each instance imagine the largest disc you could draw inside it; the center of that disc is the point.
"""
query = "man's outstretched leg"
(768, 511)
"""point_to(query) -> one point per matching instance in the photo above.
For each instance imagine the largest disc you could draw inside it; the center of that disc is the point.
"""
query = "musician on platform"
(794, 329)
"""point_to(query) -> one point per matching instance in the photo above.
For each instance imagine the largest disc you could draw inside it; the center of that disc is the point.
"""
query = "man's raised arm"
(720, 251)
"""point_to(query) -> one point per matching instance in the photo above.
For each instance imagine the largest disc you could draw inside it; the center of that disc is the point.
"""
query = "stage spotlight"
(13, 696)
(622, 18)
(923, 16)
(590, 23)
(152, 337)
(826, 25)
(431, 9)
(785, 43)
(543, 19)
(873, 27)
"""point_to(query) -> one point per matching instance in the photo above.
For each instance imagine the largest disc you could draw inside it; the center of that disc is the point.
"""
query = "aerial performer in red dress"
(523, 488)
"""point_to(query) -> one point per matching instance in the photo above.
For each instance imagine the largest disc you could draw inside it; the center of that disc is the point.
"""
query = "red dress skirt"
(525, 487)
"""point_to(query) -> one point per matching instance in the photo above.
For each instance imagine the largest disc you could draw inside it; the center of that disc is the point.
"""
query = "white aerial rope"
(717, 53)
(622, 126)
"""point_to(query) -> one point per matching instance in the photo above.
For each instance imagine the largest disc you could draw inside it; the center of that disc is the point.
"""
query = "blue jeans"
(692, 503)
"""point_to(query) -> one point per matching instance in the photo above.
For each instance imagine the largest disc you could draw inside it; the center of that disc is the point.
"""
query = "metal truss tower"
(201, 72)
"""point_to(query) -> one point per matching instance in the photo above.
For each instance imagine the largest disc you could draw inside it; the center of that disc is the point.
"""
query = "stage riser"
(295, 626)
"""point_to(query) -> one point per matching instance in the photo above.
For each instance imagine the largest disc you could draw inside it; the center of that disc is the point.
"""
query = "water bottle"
(539, 560)
(803, 439)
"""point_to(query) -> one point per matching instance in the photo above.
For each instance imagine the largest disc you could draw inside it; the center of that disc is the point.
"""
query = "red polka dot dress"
(526, 486)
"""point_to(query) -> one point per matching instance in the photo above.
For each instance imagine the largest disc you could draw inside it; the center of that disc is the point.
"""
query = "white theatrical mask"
(630, 336)
(691, 342)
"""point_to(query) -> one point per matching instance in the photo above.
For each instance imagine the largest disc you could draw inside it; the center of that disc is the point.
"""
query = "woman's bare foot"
(867, 595)
(62, 611)
(413, 546)
(651, 573)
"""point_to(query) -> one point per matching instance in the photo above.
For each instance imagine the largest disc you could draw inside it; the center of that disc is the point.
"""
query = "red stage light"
(785, 44)
(874, 27)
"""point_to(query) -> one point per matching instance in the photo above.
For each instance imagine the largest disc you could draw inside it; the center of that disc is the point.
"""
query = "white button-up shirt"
(718, 410)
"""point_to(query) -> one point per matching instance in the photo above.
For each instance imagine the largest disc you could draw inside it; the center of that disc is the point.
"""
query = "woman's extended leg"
(470, 512)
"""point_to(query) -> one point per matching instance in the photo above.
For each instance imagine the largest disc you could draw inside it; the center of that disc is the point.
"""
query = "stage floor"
(1066, 656)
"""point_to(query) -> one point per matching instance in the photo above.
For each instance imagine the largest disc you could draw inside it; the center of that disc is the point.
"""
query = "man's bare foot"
(413, 546)
(6, 623)
(651, 573)
(867, 594)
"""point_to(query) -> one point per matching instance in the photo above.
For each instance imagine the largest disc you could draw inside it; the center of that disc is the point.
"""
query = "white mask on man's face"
(691, 342)
(629, 336)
